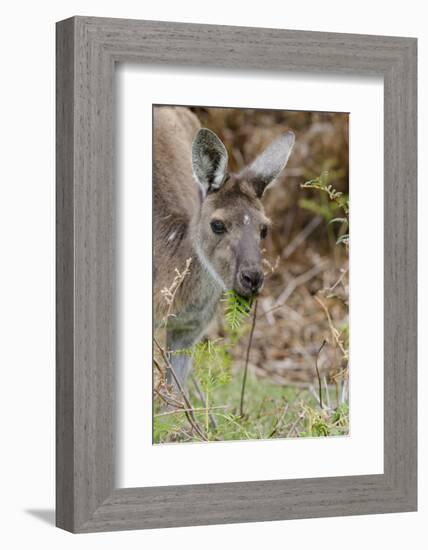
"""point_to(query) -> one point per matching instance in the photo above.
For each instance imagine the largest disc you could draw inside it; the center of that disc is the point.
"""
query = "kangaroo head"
(232, 222)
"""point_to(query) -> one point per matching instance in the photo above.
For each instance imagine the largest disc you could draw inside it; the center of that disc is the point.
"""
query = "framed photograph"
(236, 274)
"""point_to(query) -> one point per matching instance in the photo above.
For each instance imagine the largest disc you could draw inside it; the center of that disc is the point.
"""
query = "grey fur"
(209, 159)
(269, 164)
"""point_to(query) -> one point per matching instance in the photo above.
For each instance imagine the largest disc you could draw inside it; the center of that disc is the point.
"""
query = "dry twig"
(295, 283)
(301, 237)
(190, 416)
(170, 293)
(279, 421)
(318, 373)
(244, 379)
(333, 329)
(200, 409)
(201, 395)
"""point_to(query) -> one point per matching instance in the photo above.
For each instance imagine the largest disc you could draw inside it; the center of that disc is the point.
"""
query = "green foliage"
(322, 183)
(340, 416)
(237, 309)
(336, 201)
(211, 367)
(165, 427)
(211, 363)
(325, 422)
(275, 412)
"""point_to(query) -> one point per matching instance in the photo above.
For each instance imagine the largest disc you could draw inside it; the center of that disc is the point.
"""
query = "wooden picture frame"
(87, 50)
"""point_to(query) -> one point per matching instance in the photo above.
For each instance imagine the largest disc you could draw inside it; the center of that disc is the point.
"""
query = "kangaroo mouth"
(246, 294)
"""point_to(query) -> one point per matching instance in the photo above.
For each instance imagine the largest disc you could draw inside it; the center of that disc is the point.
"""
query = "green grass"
(271, 411)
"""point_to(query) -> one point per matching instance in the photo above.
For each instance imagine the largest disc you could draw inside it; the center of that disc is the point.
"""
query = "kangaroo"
(203, 212)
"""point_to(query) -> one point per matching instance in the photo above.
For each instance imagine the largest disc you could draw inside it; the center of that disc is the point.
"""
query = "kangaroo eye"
(263, 231)
(218, 227)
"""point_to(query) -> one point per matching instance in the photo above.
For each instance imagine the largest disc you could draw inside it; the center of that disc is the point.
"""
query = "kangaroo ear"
(269, 164)
(209, 160)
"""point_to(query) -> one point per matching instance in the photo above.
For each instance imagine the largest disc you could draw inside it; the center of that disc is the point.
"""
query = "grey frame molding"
(87, 50)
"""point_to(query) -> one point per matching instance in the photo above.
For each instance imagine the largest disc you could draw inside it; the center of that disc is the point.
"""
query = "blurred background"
(305, 298)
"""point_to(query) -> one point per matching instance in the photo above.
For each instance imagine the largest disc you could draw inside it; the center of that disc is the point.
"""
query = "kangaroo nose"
(252, 280)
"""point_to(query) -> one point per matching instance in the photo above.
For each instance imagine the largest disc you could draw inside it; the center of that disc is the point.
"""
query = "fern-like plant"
(237, 309)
